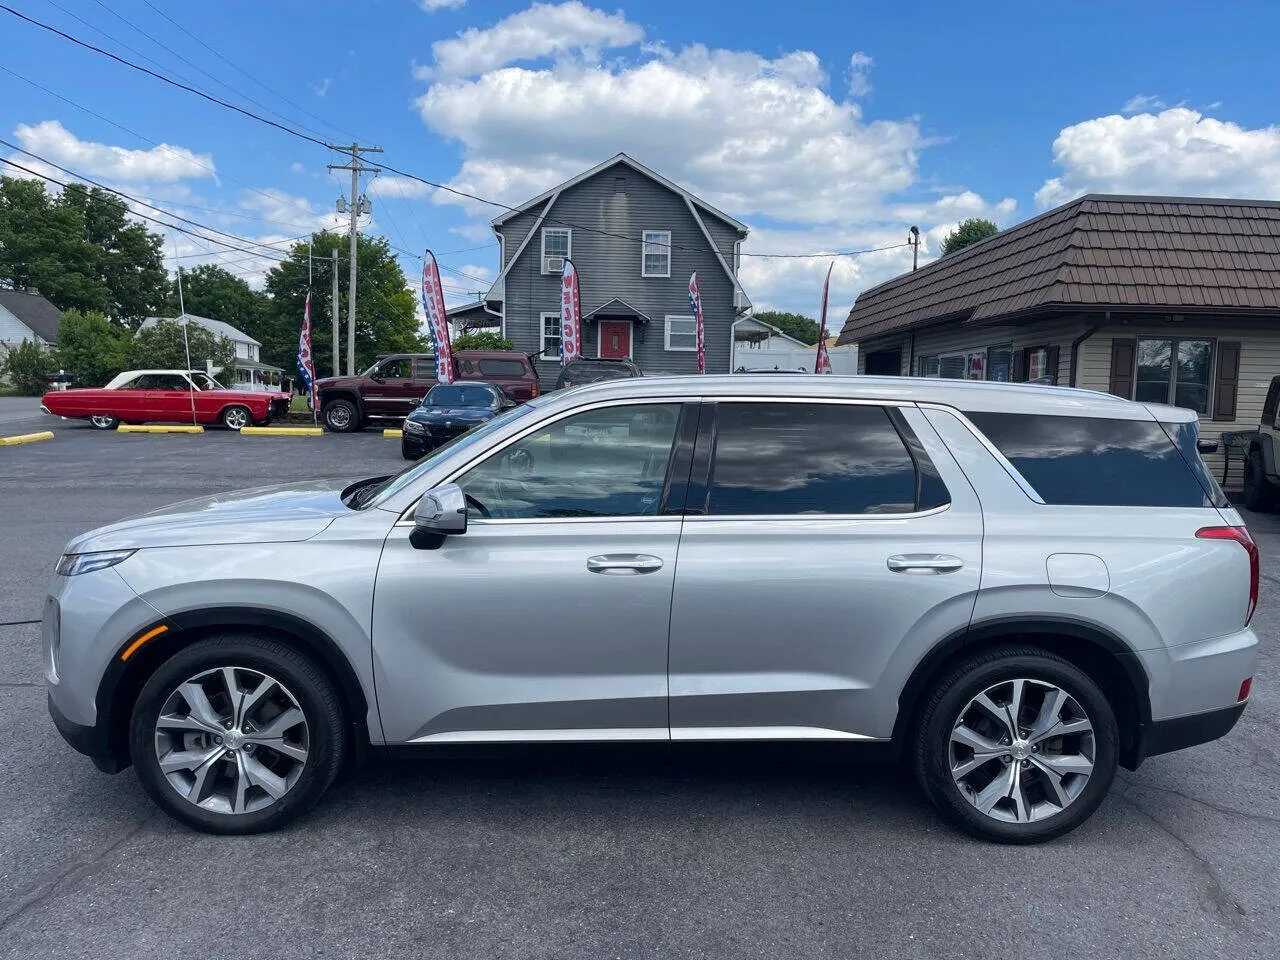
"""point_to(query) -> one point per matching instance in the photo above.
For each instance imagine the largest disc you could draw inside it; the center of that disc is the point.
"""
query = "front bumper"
(92, 741)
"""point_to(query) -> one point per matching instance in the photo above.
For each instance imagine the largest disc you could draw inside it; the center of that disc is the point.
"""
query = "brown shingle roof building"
(1169, 299)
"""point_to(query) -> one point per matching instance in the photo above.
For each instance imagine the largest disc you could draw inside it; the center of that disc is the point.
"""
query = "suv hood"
(278, 514)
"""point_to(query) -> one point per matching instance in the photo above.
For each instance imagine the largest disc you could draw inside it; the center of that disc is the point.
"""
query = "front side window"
(609, 462)
(797, 458)
(1093, 461)
(551, 335)
(1176, 372)
(401, 369)
(656, 254)
(557, 244)
(682, 333)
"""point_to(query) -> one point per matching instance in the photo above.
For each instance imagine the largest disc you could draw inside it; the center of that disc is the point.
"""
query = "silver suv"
(1017, 587)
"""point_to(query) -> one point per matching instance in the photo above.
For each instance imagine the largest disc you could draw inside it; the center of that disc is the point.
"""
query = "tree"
(969, 231)
(161, 346)
(482, 341)
(211, 291)
(27, 366)
(792, 324)
(386, 321)
(91, 348)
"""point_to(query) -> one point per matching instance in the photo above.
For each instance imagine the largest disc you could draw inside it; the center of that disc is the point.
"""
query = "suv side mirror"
(1207, 446)
(442, 512)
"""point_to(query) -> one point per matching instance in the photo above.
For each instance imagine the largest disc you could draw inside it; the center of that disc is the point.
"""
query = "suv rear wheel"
(341, 416)
(237, 734)
(1016, 745)
(1259, 495)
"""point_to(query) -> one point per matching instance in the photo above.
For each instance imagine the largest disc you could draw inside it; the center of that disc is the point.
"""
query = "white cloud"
(431, 6)
(165, 163)
(404, 187)
(1177, 151)
(321, 88)
(1140, 103)
(542, 30)
(299, 212)
(860, 74)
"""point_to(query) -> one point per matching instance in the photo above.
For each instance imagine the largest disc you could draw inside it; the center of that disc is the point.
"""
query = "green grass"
(298, 405)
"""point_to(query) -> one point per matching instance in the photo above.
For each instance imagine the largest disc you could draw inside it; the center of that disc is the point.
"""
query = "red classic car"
(166, 396)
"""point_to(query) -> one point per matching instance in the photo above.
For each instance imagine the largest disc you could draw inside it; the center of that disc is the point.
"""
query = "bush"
(27, 367)
(483, 341)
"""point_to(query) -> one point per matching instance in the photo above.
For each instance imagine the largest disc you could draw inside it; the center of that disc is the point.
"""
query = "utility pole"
(335, 312)
(358, 205)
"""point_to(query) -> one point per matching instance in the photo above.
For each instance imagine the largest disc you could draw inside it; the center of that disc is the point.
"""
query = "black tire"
(102, 421)
(236, 417)
(1259, 495)
(341, 416)
(409, 454)
(309, 686)
(944, 708)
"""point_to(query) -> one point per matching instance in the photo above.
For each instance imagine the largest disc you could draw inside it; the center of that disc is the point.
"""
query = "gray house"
(635, 237)
(27, 316)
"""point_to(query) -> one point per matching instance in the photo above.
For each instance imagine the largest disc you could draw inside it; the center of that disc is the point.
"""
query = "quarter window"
(682, 333)
(609, 462)
(551, 335)
(796, 458)
(655, 258)
(1175, 372)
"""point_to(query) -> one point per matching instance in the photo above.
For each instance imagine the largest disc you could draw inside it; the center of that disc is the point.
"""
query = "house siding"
(14, 331)
(605, 214)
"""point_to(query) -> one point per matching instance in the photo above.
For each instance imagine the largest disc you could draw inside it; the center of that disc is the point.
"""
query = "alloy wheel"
(236, 418)
(1022, 750)
(232, 740)
(102, 421)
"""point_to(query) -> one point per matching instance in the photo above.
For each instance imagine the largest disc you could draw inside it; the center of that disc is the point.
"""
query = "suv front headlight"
(74, 564)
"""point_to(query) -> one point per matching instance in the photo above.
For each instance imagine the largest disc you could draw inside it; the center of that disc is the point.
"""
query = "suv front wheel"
(237, 734)
(1016, 745)
(341, 416)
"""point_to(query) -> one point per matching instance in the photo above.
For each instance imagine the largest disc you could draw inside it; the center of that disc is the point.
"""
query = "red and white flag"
(305, 366)
(570, 314)
(822, 364)
(695, 304)
(437, 319)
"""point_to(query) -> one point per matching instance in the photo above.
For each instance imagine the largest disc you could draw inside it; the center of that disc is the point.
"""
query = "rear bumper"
(89, 740)
(1166, 736)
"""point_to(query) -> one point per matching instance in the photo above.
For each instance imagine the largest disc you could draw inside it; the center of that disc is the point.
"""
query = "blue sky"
(832, 127)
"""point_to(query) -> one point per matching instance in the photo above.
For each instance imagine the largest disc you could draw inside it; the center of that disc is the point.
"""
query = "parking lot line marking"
(149, 428)
(393, 434)
(26, 438)
(282, 431)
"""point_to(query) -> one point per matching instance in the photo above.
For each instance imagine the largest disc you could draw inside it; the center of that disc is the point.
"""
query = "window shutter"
(1018, 373)
(1051, 363)
(1123, 352)
(1227, 381)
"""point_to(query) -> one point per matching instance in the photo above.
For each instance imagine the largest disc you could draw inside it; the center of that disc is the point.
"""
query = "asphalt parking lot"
(591, 856)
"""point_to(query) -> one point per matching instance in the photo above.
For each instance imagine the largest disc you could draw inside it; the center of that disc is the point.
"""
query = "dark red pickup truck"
(393, 386)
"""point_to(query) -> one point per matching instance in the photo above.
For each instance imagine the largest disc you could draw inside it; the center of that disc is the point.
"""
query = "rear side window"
(1089, 461)
(502, 368)
(795, 458)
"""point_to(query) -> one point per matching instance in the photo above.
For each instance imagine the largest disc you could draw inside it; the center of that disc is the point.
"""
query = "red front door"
(615, 339)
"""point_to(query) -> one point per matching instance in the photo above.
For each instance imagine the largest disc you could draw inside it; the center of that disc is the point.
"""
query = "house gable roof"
(33, 310)
(639, 168)
(216, 327)
(1097, 252)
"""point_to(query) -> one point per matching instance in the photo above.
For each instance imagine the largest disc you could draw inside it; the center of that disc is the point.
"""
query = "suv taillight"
(1241, 536)
(534, 391)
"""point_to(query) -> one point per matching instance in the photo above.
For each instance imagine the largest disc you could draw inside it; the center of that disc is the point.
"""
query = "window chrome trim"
(1014, 474)
(767, 733)
(585, 735)
(809, 517)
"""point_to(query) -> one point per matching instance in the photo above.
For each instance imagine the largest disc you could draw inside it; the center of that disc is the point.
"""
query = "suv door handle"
(624, 563)
(924, 563)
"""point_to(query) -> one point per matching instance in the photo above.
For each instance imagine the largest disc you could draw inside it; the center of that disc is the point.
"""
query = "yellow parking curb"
(282, 431)
(393, 434)
(148, 428)
(26, 438)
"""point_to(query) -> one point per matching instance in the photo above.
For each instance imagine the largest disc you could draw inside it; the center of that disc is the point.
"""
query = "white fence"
(843, 359)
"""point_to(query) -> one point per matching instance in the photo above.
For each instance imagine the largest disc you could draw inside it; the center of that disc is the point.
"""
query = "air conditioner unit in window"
(553, 264)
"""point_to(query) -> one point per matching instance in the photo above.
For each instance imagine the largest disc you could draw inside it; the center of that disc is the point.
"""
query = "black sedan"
(450, 409)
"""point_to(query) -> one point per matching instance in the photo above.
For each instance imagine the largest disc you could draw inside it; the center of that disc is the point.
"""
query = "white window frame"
(568, 232)
(666, 333)
(542, 336)
(644, 250)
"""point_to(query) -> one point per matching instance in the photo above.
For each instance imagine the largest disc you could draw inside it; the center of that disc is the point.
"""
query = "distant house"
(251, 372)
(634, 237)
(1162, 299)
(27, 316)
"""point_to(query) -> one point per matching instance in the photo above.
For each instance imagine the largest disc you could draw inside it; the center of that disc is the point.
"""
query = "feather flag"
(822, 363)
(570, 314)
(305, 365)
(437, 319)
(695, 304)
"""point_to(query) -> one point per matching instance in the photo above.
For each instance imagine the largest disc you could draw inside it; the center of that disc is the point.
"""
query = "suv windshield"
(452, 396)
(393, 485)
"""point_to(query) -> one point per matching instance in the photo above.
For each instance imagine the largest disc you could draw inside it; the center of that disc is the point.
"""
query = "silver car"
(1017, 587)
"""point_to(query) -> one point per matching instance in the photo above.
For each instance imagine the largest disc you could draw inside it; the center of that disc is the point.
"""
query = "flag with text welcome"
(437, 319)
(822, 363)
(695, 304)
(305, 365)
(570, 314)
